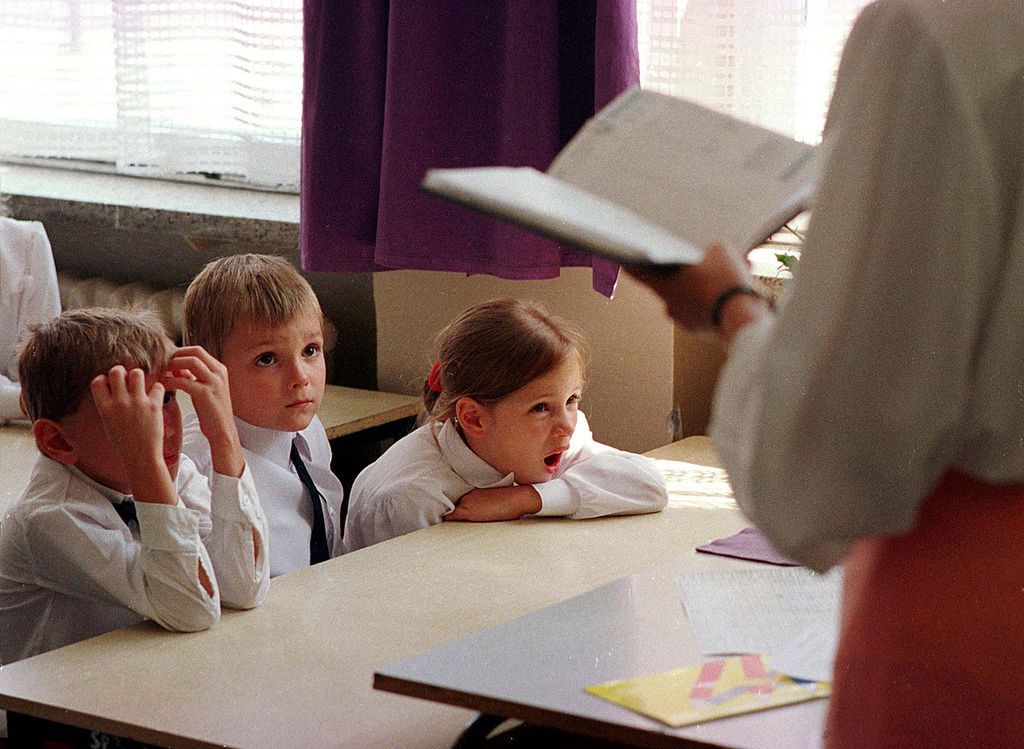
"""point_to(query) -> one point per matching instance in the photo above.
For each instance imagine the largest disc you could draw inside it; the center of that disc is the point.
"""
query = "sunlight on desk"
(693, 485)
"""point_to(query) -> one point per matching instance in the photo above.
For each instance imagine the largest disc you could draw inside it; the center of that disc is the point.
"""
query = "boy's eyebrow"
(273, 339)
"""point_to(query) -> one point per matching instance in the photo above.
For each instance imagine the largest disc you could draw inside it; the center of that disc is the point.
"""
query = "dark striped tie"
(318, 540)
(126, 509)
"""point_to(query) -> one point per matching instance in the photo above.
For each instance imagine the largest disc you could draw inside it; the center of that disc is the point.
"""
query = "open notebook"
(650, 180)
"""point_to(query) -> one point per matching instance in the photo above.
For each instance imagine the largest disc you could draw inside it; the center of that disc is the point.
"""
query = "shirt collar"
(272, 445)
(112, 494)
(473, 469)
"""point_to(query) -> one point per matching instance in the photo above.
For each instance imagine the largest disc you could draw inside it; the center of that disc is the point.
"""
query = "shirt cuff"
(557, 498)
(167, 527)
(10, 406)
(233, 499)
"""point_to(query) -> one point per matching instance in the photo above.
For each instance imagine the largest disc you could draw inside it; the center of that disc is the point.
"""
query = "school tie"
(126, 509)
(318, 540)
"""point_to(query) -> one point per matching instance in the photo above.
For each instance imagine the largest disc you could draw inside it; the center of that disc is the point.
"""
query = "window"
(211, 89)
(772, 62)
(170, 88)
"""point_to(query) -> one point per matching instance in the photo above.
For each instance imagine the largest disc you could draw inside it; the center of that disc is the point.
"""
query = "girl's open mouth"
(551, 461)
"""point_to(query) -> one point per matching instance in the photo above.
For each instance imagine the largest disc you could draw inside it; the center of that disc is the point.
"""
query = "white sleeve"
(38, 301)
(596, 480)
(42, 298)
(835, 422)
(195, 445)
(379, 513)
(235, 516)
(158, 578)
(10, 400)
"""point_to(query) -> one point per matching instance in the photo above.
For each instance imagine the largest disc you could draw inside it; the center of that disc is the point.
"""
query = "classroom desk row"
(346, 413)
(298, 671)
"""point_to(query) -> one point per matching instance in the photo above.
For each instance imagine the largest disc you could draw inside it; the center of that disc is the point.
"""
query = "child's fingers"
(188, 385)
(192, 351)
(135, 382)
(189, 366)
(197, 352)
(116, 383)
(178, 373)
(117, 375)
(203, 368)
(100, 387)
(156, 393)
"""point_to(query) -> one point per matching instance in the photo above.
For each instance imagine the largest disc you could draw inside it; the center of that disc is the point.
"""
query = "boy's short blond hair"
(243, 288)
(60, 358)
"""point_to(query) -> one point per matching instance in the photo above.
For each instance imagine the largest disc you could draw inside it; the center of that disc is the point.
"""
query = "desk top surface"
(535, 668)
(298, 670)
(348, 410)
(345, 410)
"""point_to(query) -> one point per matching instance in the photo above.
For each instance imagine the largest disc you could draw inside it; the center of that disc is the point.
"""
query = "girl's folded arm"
(604, 481)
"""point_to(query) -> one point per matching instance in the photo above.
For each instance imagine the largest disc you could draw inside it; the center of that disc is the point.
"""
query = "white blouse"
(421, 477)
(28, 294)
(900, 352)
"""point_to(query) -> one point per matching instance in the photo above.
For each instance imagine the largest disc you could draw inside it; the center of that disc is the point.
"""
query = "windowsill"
(135, 203)
(196, 211)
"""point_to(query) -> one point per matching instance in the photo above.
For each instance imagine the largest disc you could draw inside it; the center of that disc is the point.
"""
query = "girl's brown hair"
(493, 349)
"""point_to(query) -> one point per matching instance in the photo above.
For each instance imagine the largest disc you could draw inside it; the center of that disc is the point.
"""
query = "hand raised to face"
(196, 372)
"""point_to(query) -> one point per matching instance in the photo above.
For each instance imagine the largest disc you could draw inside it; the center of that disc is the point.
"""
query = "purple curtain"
(393, 88)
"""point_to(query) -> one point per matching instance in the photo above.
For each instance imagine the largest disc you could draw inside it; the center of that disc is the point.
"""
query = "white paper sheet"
(789, 614)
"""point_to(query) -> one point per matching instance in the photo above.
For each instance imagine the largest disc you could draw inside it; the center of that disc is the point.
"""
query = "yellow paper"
(715, 689)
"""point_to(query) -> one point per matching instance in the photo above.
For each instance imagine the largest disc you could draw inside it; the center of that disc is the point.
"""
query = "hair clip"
(434, 378)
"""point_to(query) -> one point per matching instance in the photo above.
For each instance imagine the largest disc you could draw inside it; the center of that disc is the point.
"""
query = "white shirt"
(422, 476)
(900, 353)
(28, 294)
(285, 501)
(70, 568)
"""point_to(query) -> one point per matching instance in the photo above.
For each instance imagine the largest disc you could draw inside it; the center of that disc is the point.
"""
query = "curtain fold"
(394, 88)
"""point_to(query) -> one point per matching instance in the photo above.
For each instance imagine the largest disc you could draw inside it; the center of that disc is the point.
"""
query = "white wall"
(629, 393)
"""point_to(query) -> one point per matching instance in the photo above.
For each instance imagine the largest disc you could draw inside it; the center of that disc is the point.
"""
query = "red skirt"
(931, 652)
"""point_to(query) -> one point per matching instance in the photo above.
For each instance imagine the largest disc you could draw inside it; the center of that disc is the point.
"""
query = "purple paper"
(749, 543)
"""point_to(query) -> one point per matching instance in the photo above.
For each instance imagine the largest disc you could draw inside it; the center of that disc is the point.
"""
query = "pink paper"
(749, 543)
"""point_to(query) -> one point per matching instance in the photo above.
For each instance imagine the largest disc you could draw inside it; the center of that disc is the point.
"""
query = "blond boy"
(115, 524)
(260, 317)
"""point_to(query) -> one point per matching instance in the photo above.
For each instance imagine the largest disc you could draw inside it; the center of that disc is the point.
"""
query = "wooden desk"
(298, 670)
(697, 450)
(345, 411)
(534, 668)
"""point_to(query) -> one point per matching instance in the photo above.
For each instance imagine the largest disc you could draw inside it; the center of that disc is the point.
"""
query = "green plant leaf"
(787, 261)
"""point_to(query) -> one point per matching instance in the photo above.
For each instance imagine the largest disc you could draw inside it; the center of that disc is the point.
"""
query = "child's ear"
(472, 416)
(51, 441)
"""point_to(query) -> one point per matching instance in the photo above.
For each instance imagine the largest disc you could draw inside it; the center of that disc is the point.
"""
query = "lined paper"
(789, 614)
